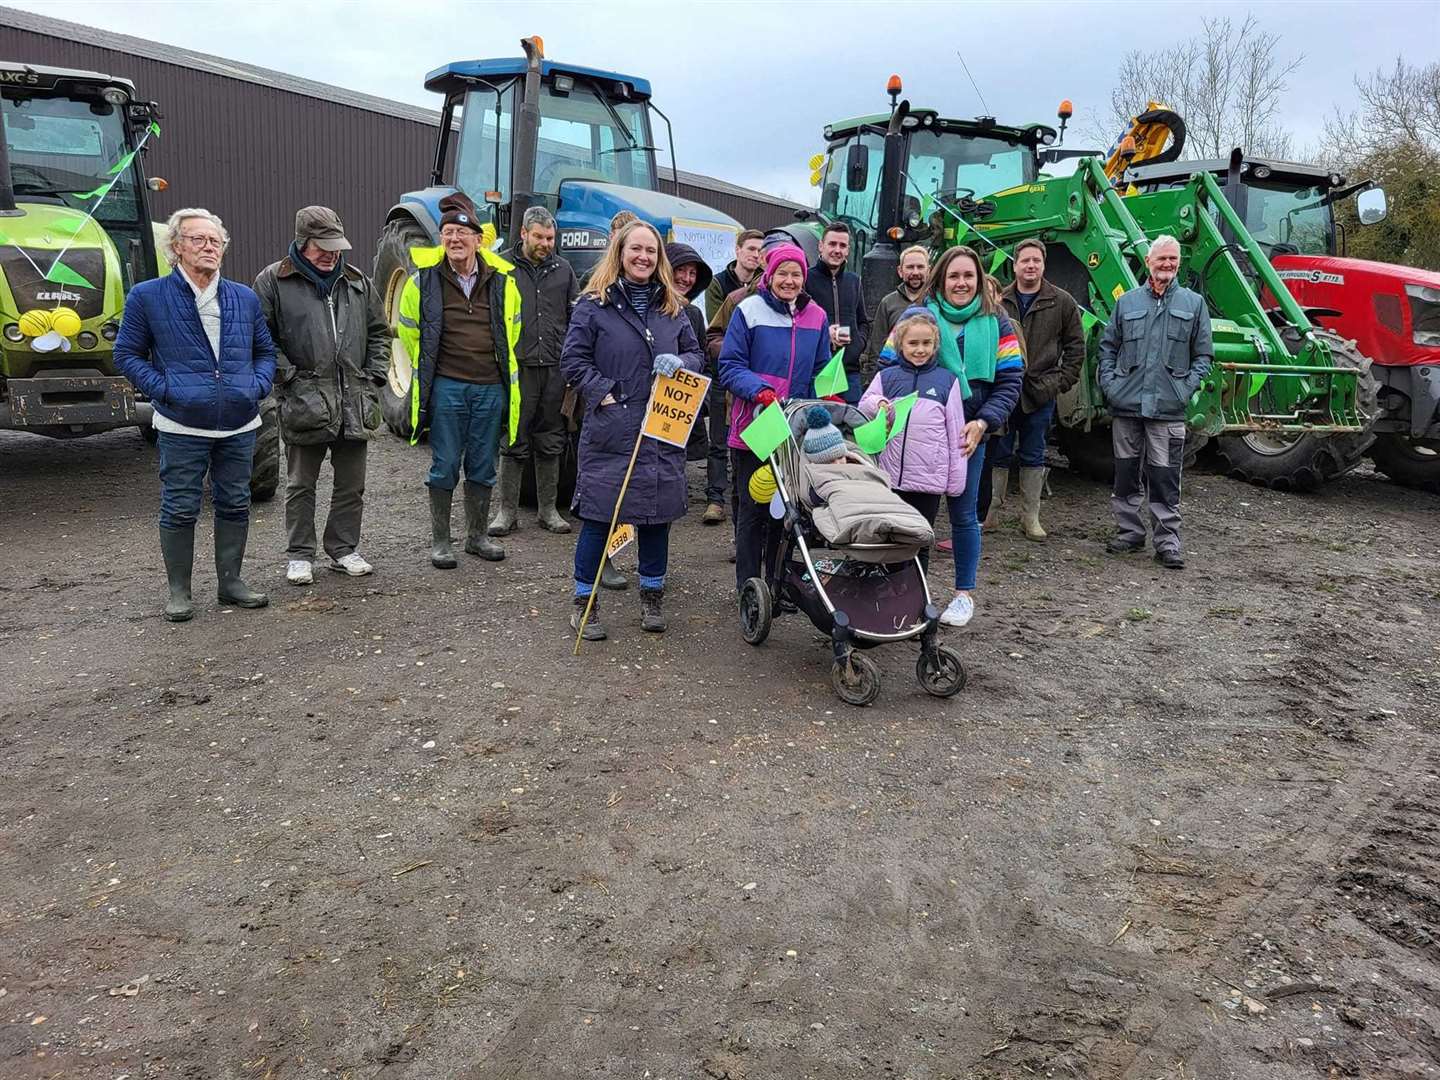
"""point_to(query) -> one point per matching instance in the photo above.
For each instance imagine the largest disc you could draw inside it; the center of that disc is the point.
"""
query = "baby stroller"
(861, 594)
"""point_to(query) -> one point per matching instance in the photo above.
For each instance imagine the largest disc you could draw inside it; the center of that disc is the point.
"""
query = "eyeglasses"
(203, 242)
(457, 234)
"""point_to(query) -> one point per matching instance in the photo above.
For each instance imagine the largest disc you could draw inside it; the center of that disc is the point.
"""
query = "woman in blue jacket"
(197, 346)
(628, 326)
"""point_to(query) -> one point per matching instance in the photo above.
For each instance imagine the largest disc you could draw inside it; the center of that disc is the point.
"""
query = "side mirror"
(1372, 206)
(857, 166)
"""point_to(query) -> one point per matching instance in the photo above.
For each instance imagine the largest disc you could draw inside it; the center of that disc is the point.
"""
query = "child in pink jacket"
(926, 461)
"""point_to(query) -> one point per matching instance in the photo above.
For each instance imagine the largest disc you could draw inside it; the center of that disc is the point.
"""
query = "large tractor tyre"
(392, 267)
(1092, 453)
(1414, 463)
(1303, 462)
(265, 471)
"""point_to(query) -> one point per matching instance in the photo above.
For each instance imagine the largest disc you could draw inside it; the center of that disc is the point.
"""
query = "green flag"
(1087, 320)
(927, 202)
(832, 381)
(123, 164)
(154, 127)
(902, 407)
(101, 190)
(961, 227)
(870, 436)
(997, 259)
(63, 275)
(766, 431)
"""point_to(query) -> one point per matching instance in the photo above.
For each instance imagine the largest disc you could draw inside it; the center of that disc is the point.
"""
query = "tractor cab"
(1288, 207)
(522, 131)
(898, 178)
(65, 131)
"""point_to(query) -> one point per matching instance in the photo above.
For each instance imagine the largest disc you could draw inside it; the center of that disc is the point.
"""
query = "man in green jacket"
(460, 325)
(331, 349)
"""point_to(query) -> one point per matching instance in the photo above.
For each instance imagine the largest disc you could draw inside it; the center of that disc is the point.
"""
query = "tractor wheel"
(1415, 463)
(392, 267)
(1092, 453)
(265, 471)
(1304, 462)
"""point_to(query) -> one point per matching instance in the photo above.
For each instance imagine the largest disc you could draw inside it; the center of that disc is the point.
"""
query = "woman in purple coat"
(628, 326)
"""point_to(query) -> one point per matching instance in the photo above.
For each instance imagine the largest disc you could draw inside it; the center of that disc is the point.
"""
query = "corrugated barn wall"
(253, 149)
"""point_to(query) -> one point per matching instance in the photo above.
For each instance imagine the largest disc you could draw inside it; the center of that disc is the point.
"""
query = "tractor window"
(837, 200)
(945, 163)
(483, 161)
(1277, 214)
(62, 148)
(581, 139)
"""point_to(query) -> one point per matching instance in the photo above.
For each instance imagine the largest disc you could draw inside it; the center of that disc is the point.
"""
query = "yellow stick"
(614, 520)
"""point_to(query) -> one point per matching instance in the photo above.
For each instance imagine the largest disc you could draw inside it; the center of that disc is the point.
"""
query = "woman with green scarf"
(979, 345)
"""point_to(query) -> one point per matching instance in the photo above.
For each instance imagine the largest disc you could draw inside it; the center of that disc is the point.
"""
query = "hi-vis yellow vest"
(407, 329)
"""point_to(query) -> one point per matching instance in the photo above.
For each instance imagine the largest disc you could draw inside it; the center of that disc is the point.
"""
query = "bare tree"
(1227, 84)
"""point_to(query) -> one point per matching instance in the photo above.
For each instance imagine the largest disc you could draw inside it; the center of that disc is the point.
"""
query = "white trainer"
(299, 572)
(352, 564)
(959, 612)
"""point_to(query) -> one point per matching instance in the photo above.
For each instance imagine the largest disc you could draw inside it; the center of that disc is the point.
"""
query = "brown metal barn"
(258, 144)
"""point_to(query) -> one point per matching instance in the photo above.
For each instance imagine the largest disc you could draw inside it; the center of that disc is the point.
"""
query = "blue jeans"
(964, 525)
(184, 461)
(1031, 429)
(654, 544)
(464, 425)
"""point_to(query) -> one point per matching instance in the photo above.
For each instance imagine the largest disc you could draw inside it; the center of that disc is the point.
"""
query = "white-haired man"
(197, 346)
(1154, 354)
(548, 290)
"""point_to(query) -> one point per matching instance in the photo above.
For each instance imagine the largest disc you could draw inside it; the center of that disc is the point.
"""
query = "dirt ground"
(1178, 825)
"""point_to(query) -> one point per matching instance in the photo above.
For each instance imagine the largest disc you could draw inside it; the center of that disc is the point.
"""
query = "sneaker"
(959, 612)
(945, 546)
(714, 515)
(352, 564)
(1120, 546)
(299, 572)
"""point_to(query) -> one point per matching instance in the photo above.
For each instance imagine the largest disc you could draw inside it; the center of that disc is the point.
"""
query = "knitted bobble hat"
(823, 441)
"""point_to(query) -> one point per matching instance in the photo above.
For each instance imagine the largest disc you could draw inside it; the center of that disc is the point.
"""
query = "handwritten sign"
(620, 539)
(675, 402)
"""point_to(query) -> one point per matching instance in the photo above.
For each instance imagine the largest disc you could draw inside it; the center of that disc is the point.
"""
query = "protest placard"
(675, 402)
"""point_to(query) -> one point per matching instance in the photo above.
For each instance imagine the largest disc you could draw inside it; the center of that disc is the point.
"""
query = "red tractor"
(1391, 312)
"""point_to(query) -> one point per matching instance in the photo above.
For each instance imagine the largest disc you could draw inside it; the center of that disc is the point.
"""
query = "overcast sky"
(749, 85)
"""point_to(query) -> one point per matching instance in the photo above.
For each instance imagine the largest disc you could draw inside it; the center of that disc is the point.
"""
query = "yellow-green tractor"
(75, 234)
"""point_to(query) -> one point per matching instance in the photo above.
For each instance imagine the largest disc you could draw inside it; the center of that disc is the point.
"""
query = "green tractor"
(912, 176)
(75, 235)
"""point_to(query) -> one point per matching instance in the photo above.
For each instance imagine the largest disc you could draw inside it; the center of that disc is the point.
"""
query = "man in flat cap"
(332, 346)
(460, 324)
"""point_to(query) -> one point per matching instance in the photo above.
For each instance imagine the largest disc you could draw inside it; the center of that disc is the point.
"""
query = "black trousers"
(541, 430)
(757, 534)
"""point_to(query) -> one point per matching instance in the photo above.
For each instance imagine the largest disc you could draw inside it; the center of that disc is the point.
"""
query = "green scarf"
(982, 338)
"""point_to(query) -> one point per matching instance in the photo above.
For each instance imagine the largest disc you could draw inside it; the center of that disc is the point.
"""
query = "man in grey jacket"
(332, 347)
(913, 270)
(1154, 354)
(548, 290)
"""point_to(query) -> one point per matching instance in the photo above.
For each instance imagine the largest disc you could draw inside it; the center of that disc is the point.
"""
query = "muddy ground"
(1178, 825)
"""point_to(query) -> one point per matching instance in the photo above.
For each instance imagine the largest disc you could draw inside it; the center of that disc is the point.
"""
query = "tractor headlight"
(1047, 137)
(12, 332)
(1260, 172)
(110, 330)
(114, 95)
(86, 340)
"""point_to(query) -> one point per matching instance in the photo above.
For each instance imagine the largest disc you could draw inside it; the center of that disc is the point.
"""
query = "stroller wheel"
(755, 611)
(942, 675)
(856, 680)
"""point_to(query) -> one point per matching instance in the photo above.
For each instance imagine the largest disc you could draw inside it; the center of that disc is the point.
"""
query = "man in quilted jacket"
(197, 346)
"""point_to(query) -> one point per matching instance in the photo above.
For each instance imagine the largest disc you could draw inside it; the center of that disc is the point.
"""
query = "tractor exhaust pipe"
(527, 135)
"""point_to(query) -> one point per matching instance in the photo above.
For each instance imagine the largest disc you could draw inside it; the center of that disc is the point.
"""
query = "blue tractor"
(516, 132)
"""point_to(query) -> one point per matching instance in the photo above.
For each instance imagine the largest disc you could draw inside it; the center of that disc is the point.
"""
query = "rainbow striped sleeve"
(1008, 356)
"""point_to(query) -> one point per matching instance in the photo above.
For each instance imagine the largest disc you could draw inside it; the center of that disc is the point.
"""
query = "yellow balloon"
(34, 323)
(762, 484)
(65, 322)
